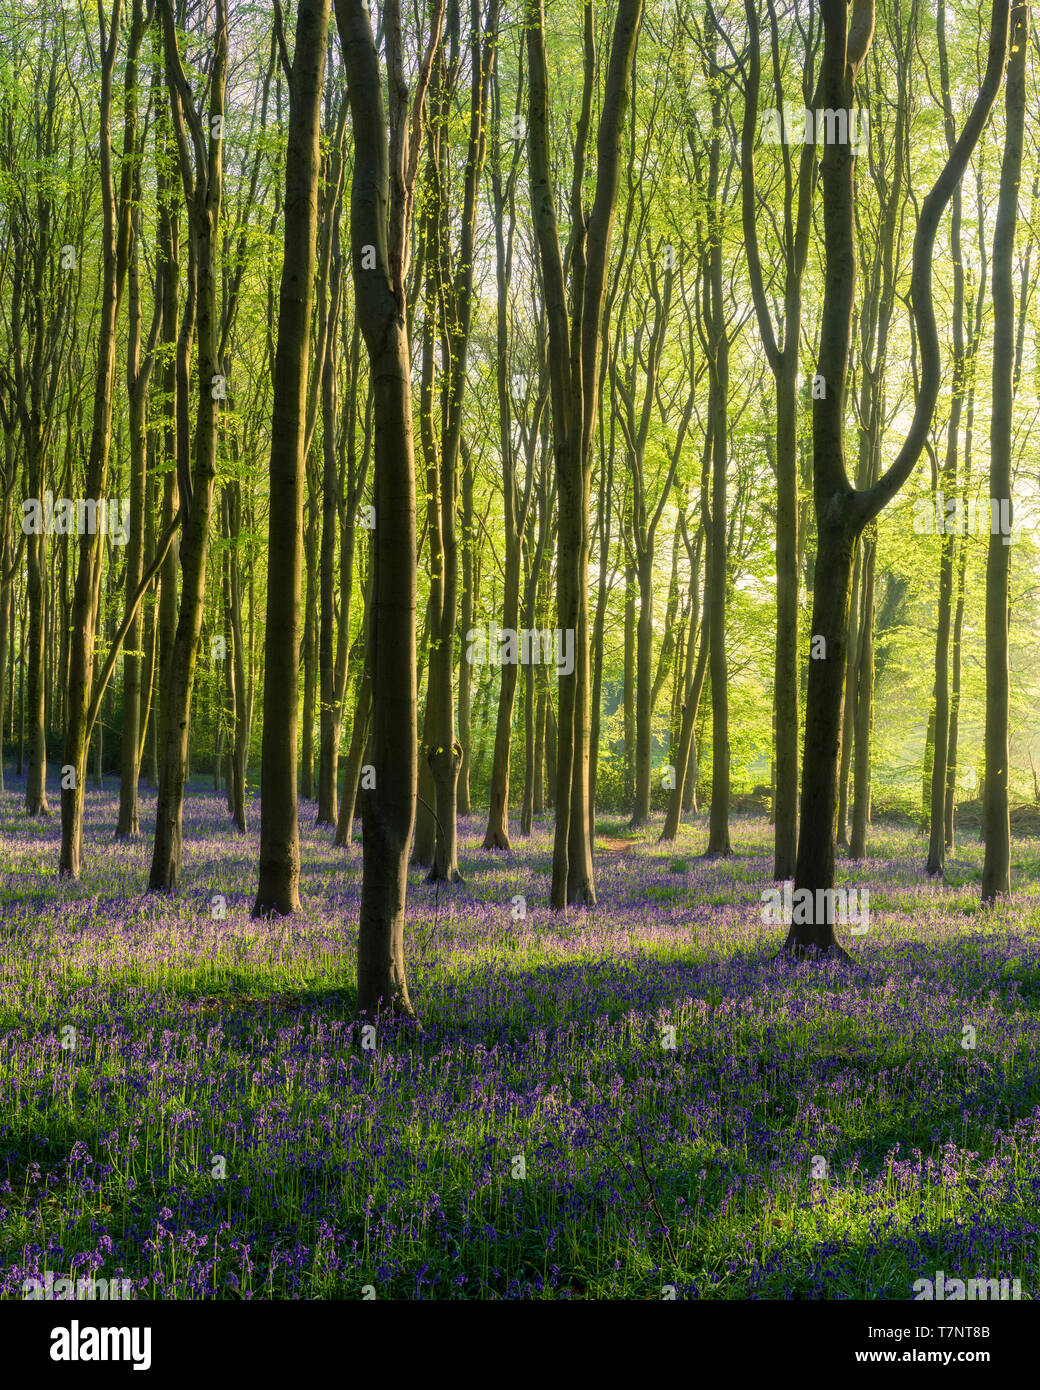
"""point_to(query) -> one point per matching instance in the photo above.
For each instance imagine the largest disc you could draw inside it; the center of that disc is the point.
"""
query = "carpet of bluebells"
(187, 1103)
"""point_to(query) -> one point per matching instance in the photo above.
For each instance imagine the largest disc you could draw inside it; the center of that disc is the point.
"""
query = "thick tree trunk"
(832, 590)
(841, 512)
(382, 185)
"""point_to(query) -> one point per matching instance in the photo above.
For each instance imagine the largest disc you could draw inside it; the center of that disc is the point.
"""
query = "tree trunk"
(86, 598)
(630, 684)
(310, 665)
(278, 889)
(574, 351)
(841, 512)
(848, 713)
(943, 712)
(203, 192)
(538, 772)
(383, 181)
(864, 704)
(996, 868)
(128, 826)
(693, 686)
(465, 624)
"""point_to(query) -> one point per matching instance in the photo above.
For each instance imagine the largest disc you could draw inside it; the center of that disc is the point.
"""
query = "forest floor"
(186, 1102)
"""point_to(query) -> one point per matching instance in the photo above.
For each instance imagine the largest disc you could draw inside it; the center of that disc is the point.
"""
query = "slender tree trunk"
(718, 822)
(784, 361)
(6, 594)
(278, 889)
(955, 705)
(86, 597)
(943, 712)
(466, 543)
(864, 706)
(128, 826)
(310, 665)
(996, 868)
(630, 684)
(36, 772)
(848, 713)
(693, 686)
(644, 710)
(203, 193)
(538, 772)
(237, 659)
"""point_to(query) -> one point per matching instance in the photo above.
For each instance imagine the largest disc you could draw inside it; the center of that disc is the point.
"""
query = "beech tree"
(199, 142)
(279, 876)
(386, 156)
(996, 826)
(574, 349)
(842, 512)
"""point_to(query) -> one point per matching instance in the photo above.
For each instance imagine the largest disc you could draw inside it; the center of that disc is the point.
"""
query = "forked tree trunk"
(574, 351)
(381, 195)
(841, 512)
